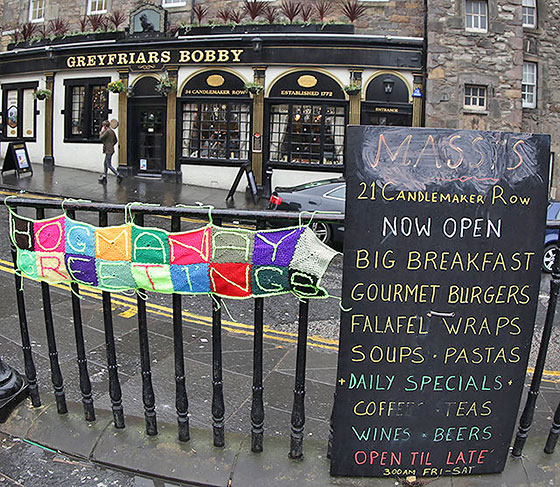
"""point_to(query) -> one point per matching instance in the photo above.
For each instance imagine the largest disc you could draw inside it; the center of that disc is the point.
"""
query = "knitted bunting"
(232, 263)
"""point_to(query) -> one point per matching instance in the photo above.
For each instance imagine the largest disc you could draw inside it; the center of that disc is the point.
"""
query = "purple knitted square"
(82, 268)
(275, 247)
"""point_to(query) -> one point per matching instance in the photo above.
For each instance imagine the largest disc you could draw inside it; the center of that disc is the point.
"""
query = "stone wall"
(456, 57)
(541, 46)
(391, 17)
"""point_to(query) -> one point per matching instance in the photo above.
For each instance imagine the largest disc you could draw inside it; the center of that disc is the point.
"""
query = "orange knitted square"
(114, 243)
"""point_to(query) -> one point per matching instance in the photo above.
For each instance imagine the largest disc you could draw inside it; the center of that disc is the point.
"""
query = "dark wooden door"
(147, 140)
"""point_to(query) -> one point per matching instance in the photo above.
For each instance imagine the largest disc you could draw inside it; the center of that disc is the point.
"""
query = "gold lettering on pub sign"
(184, 56)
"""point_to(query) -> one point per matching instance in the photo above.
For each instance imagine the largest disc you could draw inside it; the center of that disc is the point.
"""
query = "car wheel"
(323, 231)
(548, 257)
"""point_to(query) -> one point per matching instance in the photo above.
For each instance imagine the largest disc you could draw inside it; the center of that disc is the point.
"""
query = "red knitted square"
(231, 280)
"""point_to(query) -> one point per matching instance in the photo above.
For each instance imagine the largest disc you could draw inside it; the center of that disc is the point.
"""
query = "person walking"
(109, 139)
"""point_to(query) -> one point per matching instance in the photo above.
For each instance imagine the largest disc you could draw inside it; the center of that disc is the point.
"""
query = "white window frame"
(173, 3)
(469, 92)
(476, 17)
(91, 11)
(529, 85)
(529, 12)
(33, 8)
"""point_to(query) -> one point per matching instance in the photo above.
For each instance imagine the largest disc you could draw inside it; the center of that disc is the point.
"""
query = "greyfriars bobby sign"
(442, 253)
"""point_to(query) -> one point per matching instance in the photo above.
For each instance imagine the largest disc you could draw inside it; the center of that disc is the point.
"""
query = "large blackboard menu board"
(442, 257)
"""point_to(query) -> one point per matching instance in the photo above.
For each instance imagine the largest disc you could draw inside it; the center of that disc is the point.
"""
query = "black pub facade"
(196, 107)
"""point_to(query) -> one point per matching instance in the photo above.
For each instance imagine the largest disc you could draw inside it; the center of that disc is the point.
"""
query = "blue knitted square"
(80, 238)
(190, 279)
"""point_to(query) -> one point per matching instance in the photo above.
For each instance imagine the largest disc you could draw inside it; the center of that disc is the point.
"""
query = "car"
(324, 195)
(551, 236)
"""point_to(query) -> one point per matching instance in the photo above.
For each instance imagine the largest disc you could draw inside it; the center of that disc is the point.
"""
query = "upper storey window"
(97, 6)
(476, 12)
(37, 10)
(529, 13)
(173, 3)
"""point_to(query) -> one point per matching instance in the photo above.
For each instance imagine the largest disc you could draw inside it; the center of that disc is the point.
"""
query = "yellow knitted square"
(114, 243)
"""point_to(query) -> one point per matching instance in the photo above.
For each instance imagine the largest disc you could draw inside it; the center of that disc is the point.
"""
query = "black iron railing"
(258, 219)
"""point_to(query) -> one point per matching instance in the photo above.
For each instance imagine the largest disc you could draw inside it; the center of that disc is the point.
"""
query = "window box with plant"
(164, 86)
(42, 94)
(352, 89)
(116, 86)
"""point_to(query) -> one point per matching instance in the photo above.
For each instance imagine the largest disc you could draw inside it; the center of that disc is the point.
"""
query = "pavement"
(39, 447)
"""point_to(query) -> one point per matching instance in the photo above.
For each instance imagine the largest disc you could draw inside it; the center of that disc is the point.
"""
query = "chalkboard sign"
(443, 244)
(17, 159)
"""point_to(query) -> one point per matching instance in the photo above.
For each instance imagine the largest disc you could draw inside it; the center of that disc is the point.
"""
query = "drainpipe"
(192, 11)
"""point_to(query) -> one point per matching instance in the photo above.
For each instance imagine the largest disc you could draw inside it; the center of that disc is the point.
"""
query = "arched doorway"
(147, 122)
(387, 102)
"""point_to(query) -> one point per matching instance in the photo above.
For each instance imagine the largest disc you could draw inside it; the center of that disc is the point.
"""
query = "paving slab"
(196, 462)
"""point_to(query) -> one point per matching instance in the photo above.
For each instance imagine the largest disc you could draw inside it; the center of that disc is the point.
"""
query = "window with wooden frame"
(529, 12)
(476, 15)
(19, 111)
(475, 97)
(97, 7)
(36, 10)
(529, 85)
(86, 106)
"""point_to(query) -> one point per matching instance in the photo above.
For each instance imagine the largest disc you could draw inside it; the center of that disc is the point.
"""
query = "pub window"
(476, 15)
(217, 130)
(19, 111)
(87, 105)
(529, 85)
(36, 10)
(529, 9)
(475, 97)
(97, 6)
(305, 133)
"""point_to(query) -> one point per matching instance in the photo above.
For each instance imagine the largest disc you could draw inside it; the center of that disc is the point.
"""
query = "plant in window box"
(254, 88)
(116, 86)
(41, 94)
(164, 86)
(352, 89)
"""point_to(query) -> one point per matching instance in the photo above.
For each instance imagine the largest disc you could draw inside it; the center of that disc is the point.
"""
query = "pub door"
(148, 138)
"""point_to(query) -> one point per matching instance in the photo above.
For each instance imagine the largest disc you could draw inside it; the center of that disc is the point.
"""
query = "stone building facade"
(472, 64)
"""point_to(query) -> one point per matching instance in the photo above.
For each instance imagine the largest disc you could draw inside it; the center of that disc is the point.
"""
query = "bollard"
(13, 389)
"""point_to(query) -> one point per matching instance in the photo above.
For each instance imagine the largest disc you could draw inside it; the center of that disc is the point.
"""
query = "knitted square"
(152, 277)
(232, 245)
(114, 275)
(49, 235)
(27, 263)
(311, 255)
(231, 280)
(305, 285)
(114, 243)
(82, 268)
(80, 238)
(266, 280)
(275, 247)
(190, 247)
(21, 231)
(191, 279)
(51, 267)
(150, 246)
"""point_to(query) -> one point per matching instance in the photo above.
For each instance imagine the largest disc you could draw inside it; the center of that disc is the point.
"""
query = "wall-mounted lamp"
(257, 44)
(388, 84)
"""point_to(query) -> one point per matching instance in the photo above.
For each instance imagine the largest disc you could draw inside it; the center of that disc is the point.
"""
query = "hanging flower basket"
(254, 88)
(116, 86)
(164, 85)
(42, 94)
(352, 89)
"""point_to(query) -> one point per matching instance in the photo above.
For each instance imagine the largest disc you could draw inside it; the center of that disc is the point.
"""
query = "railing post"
(85, 383)
(298, 409)
(181, 398)
(56, 374)
(218, 407)
(30, 371)
(529, 410)
(115, 392)
(554, 432)
(148, 396)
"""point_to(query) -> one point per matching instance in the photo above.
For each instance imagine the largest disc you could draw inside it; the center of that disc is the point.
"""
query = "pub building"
(207, 122)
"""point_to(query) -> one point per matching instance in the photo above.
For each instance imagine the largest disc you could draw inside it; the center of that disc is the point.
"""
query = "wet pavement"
(97, 454)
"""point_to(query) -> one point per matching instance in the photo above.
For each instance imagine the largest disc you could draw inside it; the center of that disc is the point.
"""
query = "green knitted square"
(152, 277)
(150, 245)
(27, 263)
(232, 245)
(114, 275)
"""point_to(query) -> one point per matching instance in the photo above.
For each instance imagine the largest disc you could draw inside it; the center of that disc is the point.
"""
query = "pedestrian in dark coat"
(109, 140)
